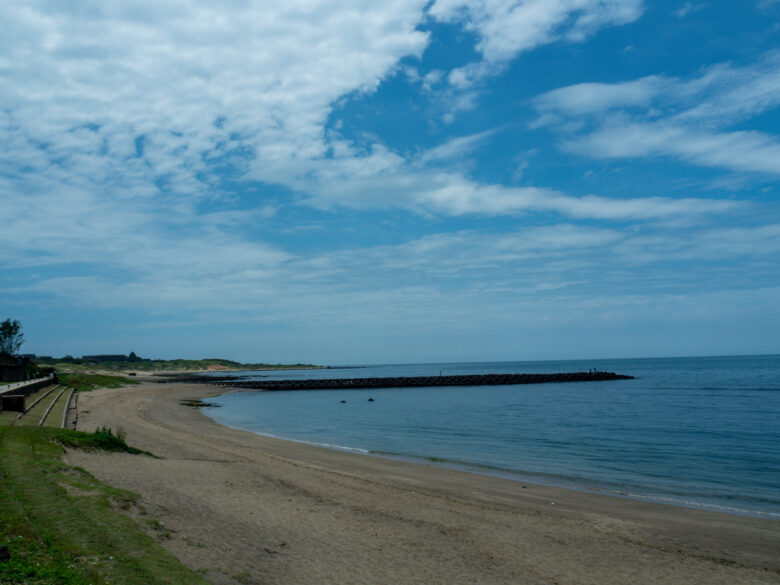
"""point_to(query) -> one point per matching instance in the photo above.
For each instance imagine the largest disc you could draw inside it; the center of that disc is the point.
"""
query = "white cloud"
(507, 27)
(195, 81)
(161, 102)
(382, 179)
(721, 95)
(739, 151)
(594, 98)
(479, 269)
(454, 148)
(656, 116)
(727, 94)
(688, 8)
(121, 121)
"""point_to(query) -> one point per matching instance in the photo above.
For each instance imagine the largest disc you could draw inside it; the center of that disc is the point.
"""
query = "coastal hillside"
(132, 362)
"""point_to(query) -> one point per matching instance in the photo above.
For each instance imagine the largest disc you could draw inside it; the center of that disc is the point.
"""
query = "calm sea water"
(701, 432)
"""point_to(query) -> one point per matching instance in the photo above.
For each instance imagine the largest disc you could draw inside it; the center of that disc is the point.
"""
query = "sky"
(351, 182)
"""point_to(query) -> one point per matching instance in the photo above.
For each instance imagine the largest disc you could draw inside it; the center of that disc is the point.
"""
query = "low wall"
(14, 395)
(12, 402)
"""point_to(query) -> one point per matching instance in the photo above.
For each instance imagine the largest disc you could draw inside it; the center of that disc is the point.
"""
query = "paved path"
(14, 387)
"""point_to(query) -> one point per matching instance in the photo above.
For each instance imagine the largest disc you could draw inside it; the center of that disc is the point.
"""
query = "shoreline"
(522, 477)
(396, 521)
(579, 484)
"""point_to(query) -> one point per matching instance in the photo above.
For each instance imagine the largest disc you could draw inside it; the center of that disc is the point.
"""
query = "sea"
(700, 432)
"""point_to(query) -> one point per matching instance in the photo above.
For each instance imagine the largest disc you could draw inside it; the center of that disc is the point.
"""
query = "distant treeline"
(133, 361)
(89, 359)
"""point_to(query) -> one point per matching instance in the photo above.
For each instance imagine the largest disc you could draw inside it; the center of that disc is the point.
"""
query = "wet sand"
(245, 509)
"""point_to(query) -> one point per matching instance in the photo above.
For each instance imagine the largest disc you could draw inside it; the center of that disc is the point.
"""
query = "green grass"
(55, 416)
(102, 439)
(33, 416)
(7, 417)
(87, 382)
(62, 526)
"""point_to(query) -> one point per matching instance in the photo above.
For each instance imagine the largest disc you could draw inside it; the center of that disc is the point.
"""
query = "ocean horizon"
(691, 431)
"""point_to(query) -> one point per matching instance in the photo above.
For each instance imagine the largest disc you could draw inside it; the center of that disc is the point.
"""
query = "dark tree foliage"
(11, 337)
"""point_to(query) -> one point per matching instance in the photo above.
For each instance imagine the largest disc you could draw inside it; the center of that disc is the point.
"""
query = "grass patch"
(87, 382)
(61, 526)
(103, 439)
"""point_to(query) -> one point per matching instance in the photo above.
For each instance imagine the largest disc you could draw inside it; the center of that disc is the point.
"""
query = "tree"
(11, 337)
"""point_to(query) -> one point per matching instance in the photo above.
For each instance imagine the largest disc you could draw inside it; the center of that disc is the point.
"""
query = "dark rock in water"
(5, 554)
(343, 402)
(197, 403)
(370, 399)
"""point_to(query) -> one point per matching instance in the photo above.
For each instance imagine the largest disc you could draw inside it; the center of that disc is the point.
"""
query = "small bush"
(103, 439)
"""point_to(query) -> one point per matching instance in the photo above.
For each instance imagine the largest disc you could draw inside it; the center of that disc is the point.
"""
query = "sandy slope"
(249, 509)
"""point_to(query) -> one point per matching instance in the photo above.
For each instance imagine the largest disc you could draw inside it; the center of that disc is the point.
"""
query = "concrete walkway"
(15, 387)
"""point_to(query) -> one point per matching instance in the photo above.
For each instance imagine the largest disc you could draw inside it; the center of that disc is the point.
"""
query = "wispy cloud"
(686, 119)
(576, 261)
(689, 8)
(382, 179)
(508, 27)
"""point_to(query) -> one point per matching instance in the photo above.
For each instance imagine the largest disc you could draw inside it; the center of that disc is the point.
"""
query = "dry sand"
(249, 509)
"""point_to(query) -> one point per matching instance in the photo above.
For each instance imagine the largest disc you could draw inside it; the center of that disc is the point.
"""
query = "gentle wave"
(292, 440)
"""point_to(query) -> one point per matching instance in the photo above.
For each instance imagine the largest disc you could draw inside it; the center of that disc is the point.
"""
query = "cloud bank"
(181, 160)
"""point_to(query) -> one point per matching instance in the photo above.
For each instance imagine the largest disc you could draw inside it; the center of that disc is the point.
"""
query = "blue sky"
(346, 182)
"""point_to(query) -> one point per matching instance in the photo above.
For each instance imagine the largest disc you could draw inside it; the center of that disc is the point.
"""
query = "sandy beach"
(247, 509)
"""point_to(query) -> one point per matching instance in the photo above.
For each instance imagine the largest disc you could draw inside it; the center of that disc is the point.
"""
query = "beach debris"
(5, 554)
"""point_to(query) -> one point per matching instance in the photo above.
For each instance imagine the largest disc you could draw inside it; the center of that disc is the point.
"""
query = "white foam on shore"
(698, 505)
(302, 442)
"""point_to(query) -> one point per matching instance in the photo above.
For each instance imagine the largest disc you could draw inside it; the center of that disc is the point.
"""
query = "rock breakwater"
(425, 381)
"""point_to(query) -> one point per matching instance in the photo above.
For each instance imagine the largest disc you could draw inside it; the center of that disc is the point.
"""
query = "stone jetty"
(425, 381)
